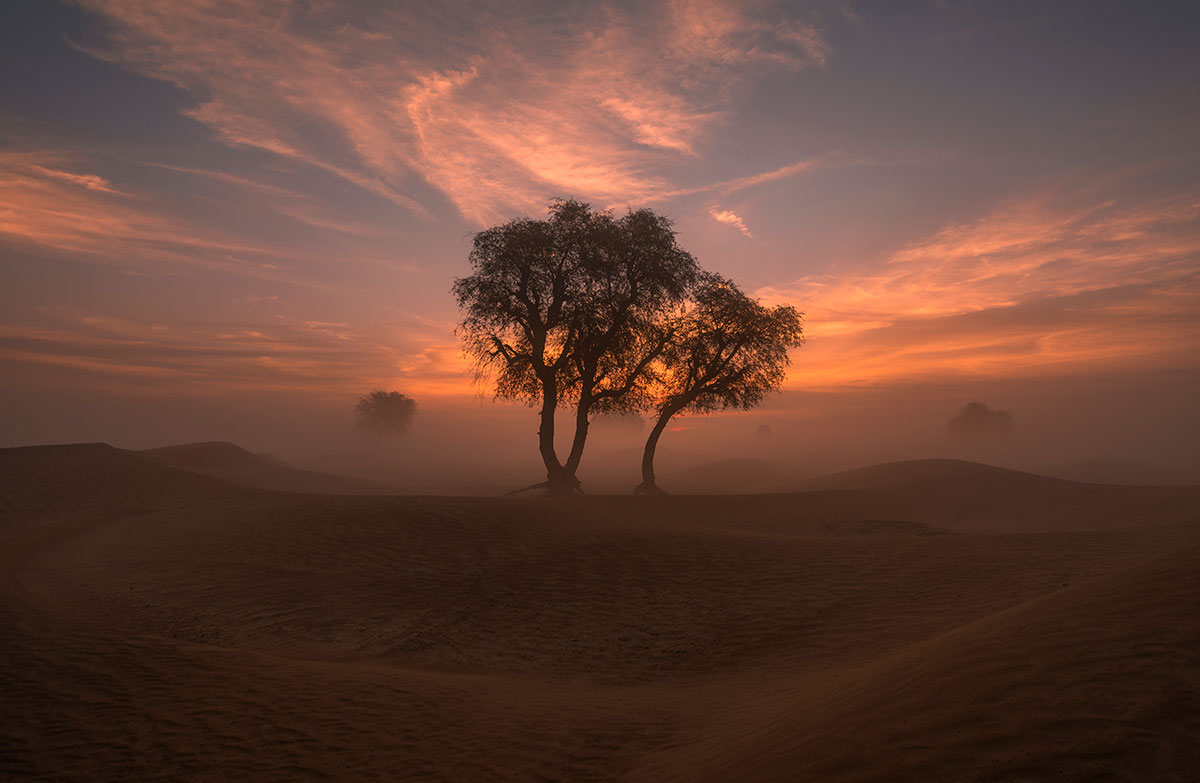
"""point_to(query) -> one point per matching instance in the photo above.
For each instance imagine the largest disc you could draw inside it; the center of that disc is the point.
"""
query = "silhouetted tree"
(565, 312)
(977, 420)
(384, 413)
(727, 351)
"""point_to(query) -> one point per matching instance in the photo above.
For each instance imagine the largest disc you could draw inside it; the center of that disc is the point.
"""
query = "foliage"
(565, 312)
(609, 315)
(727, 351)
(567, 296)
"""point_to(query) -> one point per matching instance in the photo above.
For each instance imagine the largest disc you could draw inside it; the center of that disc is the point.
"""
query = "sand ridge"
(234, 464)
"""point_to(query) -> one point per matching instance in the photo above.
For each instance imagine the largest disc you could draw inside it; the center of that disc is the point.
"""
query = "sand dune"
(196, 630)
(969, 495)
(91, 480)
(234, 464)
(1127, 472)
(941, 473)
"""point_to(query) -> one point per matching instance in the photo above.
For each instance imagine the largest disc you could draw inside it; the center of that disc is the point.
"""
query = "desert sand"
(934, 620)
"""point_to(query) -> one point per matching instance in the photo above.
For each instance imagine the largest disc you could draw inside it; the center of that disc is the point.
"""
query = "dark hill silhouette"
(269, 457)
(922, 472)
(1122, 471)
(232, 463)
(96, 478)
(970, 495)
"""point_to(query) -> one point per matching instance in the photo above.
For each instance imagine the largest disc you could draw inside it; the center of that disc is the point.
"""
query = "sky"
(233, 217)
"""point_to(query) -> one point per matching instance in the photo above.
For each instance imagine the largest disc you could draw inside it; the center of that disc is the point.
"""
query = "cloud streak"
(43, 203)
(52, 202)
(318, 359)
(1123, 328)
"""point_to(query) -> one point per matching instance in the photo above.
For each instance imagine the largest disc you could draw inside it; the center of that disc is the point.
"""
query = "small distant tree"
(384, 413)
(977, 421)
(727, 351)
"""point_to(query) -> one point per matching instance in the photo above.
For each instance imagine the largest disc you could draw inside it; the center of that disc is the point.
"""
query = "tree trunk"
(648, 487)
(560, 480)
(546, 431)
(581, 431)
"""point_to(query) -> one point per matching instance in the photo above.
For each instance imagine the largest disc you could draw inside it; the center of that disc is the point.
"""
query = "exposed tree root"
(555, 489)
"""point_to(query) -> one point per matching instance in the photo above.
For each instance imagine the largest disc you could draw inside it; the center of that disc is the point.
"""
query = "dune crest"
(232, 463)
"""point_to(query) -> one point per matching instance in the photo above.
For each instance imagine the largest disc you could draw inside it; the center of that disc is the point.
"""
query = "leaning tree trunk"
(579, 440)
(648, 486)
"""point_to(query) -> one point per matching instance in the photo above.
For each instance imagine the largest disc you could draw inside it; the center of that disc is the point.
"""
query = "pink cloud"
(84, 215)
(1041, 282)
(498, 120)
(712, 31)
(1123, 328)
(1026, 248)
(313, 357)
(730, 218)
(89, 181)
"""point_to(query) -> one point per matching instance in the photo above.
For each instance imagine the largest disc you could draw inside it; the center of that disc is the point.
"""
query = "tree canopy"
(608, 315)
(563, 312)
(726, 351)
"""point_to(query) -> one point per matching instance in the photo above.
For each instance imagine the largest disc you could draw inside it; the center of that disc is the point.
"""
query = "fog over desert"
(599, 391)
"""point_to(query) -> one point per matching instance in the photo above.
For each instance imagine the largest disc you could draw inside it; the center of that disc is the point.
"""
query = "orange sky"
(223, 198)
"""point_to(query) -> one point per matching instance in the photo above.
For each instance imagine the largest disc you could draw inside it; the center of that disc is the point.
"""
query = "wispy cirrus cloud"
(1026, 248)
(709, 31)
(1121, 328)
(1051, 279)
(312, 357)
(497, 114)
(52, 200)
(774, 175)
(45, 202)
(89, 181)
(737, 184)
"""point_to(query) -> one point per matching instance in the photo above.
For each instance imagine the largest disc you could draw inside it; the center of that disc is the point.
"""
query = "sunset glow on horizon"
(259, 196)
